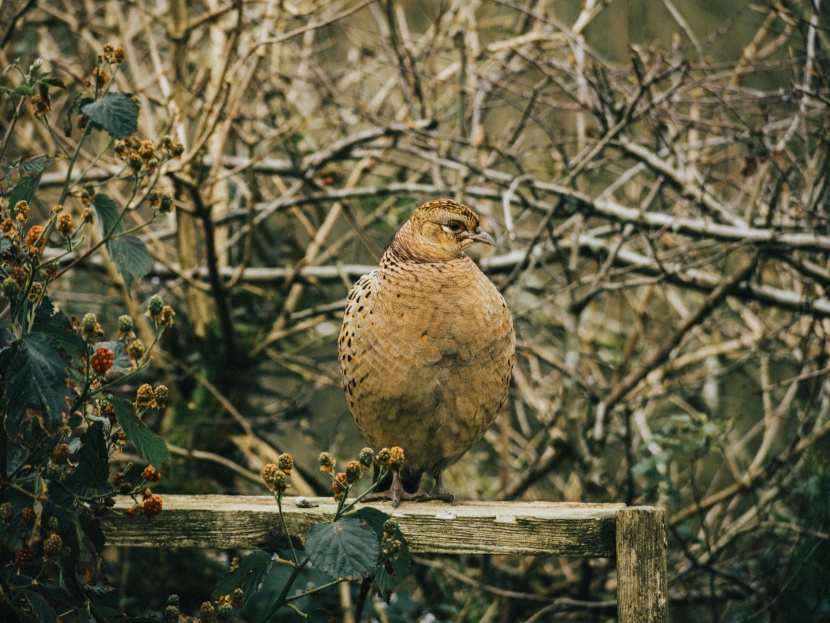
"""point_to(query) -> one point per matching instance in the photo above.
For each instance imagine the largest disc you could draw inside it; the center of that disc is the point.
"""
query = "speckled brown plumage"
(427, 345)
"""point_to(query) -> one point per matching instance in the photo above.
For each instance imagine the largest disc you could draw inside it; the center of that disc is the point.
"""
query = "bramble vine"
(62, 420)
(363, 544)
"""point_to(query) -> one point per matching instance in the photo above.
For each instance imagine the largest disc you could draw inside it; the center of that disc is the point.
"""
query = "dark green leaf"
(344, 549)
(35, 385)
(93, 459)
(389, 572)
(131, 257)
(115, 113)
(52, 81)
(40, 607)
(372, 517)
(149, 445)
(105, 614)
(88, 564)
(108, 214)
(45, 312)
(70, 341)
(250, 573)
(25, 188)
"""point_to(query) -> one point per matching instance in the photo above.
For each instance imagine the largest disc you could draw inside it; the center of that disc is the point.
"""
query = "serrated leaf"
(46, 311)
(250, 573)
(70, 341)
(35, 385)
(108, 214)
(344, 549)
(149, 445)
(128, 253)
(131, 257)
(392, 571)
(115, 113)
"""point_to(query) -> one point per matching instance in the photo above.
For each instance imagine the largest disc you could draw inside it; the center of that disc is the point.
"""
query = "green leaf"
(52, 81)
(40, 607)
(25, 188)
(131, 257)
(93, 462)
(129, 253)
(392, 571)
(70, 341)
(115, 113)
(108, 214)
(88, 564)
(149, 445)
(250, 573)
(344, 549)
(35, 385)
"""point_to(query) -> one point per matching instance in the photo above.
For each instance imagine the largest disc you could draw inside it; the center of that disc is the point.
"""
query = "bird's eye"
(453, 227)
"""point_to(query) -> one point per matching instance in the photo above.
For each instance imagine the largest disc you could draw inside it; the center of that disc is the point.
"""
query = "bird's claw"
(444, 497)
(418, 496)
(397, 496)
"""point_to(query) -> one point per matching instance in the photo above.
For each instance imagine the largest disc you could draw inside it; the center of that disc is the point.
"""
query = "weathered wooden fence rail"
(634, 535)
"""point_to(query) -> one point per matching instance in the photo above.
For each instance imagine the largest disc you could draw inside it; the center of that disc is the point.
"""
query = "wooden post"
(637, 534)
(560, 529)
(642, 584)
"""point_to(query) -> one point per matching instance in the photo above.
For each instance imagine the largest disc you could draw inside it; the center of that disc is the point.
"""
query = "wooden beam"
(642, 588)
(223, 521)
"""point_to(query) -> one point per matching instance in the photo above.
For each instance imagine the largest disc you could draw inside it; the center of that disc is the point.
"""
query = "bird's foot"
(396, 493)
(439, 492)
(396, 497)
(444, 497)
(418, 496)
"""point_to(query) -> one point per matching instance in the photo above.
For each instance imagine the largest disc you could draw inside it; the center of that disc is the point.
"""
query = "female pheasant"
(427, 346)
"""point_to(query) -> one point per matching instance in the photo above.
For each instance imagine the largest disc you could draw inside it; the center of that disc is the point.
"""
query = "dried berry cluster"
(387, 458)
(277, 476)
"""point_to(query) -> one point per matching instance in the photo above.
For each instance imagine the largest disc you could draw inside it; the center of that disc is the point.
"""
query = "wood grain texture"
(220, 521)
(642, 590)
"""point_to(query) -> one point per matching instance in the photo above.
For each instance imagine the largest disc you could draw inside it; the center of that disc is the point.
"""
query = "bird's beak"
(482, 236)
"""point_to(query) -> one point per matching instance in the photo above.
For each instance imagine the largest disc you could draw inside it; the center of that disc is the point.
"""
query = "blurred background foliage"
(655, 175)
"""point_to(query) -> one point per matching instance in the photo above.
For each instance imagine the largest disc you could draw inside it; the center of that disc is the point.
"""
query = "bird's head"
(439, 230)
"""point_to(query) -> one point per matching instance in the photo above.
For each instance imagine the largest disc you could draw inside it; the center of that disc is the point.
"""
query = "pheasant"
(426, 348)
